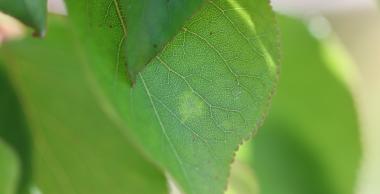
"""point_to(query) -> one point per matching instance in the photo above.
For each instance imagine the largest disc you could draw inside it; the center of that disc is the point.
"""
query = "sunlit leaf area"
(189, 97)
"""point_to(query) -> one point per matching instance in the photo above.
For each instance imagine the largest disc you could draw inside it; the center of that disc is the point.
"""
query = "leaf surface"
(310, 142)
(29, 12)
(78, 147)
(201, 96)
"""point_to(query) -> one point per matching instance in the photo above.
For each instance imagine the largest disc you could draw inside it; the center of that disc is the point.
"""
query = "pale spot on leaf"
(190, 106)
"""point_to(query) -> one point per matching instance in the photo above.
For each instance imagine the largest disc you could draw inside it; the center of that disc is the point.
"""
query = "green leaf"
(9, 168)
(310, 142)
(242, 180)
(201, 96)
(13, 130)
(29, 12)
(149, 26)
(78, 146)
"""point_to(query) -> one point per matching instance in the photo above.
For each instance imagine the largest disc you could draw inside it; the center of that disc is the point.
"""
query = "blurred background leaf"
(78, 147)
(9, 168)
(310, 140)
(242, 179)
(14, 131)
(359, 32)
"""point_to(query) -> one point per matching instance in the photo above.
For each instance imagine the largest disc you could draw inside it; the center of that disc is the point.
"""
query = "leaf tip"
(40, 33)
(131, 76)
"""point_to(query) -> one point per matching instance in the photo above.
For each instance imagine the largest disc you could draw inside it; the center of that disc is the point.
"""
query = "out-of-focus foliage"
(78, 146)
(14, 131)
(9, 168)
(29, 12)
(242, 180)
(310, 142)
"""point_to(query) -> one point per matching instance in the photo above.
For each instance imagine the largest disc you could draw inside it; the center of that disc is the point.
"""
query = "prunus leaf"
(29, 12)
(14, 131)
(310, 142)
(78, 147)
(201, 96)
(9, 168)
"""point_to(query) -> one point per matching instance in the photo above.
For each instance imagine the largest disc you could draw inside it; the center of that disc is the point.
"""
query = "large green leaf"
(30, 12)
(198, 99)
(78, 147)
(9, 168)
(310, 142)
(13, 130)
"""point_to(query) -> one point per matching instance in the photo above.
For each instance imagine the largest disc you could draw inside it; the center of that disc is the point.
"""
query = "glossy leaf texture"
(310, 142)
(29, 12)
(78, 146)
(15, 132)
(149, 25)
(9, 168)
(201, 96)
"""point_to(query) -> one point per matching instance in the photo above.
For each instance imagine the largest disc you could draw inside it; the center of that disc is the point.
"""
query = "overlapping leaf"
(149, 26)
(30, 12)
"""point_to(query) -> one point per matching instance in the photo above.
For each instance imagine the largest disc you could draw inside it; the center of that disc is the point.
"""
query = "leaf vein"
(178, 158)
